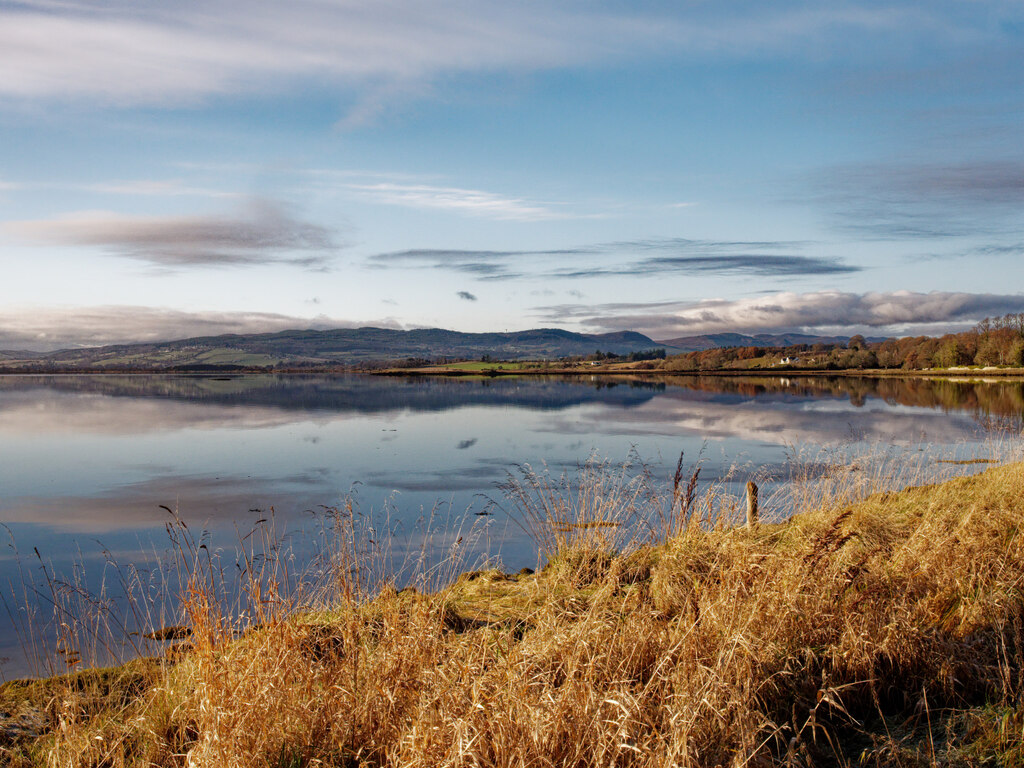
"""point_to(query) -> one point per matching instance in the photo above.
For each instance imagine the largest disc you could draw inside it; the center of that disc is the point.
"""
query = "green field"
(477, 366)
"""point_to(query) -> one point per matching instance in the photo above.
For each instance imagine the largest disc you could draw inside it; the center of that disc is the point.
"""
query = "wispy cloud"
(1013, 249)
(633, 258)
(472, 202)
(909, 201)
(807, 312)
(152, 55)
(49, 328)
(483, 265)
(975, 252)
(152, 188)
(466, 296)
(764, 265)
(125, 52)
(132, 187)
(442, 257)
(682, 245)
(377, 100)
(263, 233)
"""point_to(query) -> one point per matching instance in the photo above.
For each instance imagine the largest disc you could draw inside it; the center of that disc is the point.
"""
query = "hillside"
(342, 346)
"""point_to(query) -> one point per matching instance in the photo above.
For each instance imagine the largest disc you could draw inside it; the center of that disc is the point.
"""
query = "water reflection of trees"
(1002, 399)
(983, 399)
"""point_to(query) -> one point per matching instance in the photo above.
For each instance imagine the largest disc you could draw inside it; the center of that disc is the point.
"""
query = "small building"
(789, 360)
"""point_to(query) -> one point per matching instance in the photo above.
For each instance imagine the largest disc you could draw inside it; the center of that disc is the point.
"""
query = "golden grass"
(885, 631)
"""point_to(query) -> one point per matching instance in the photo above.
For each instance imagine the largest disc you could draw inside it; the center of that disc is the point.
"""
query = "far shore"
(610, 370)
(781, 371)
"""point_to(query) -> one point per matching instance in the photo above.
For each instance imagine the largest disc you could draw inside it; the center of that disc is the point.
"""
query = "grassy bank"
(886, 631)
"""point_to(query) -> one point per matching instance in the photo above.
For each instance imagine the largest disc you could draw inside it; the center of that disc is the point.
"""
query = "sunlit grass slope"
(888, 631)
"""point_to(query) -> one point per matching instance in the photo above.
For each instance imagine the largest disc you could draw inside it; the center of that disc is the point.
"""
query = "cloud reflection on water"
(778, 423)
(208, 499)
(259, 415)
(39, 412)
(86, 462)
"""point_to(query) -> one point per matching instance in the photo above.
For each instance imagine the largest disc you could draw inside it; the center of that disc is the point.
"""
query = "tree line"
(997, 341)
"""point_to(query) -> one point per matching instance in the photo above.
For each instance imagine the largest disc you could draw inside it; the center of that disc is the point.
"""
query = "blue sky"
(672, 168)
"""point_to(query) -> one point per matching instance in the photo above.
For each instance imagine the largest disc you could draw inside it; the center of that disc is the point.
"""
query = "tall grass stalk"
(872, 626)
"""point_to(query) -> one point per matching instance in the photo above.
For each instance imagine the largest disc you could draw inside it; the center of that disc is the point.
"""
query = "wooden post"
(751, 505)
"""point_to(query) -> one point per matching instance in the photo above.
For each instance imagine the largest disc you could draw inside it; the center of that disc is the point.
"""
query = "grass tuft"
(868, 628)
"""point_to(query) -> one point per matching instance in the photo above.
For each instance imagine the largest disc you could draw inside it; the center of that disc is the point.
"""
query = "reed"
(870, 626)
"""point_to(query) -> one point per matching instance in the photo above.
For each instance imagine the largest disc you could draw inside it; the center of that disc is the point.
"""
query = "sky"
(673, 168)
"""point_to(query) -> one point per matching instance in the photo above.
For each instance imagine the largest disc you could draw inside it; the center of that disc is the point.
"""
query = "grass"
(886, 630)
(228, 356)
(478, 366)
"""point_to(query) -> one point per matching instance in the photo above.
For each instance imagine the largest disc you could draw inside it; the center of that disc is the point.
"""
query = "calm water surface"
(87, 461)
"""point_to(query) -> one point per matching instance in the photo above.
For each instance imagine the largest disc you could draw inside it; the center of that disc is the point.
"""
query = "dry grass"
(885, 631)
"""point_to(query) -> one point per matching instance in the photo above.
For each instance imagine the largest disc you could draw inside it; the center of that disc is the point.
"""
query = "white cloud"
(473, 202)
(34, 412)
(821, 311)
(151, 188)
(685, 412)
(158, 53)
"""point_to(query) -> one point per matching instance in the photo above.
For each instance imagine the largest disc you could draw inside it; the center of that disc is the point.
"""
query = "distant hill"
(716, 340)
(343, 346)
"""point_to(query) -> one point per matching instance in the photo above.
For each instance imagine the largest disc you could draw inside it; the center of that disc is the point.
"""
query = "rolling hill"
(343, 346)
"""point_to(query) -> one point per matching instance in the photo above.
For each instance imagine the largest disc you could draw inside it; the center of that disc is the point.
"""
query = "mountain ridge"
(309, 348)
(339, 346)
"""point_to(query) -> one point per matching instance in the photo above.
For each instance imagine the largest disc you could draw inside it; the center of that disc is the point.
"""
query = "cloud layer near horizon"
(889, 313)
(895, 312)
(47, 329)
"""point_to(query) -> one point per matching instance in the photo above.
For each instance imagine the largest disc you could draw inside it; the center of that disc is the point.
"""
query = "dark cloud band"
(659, 257)
(263, 233)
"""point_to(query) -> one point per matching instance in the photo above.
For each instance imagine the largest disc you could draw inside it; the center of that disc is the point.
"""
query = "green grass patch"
(477, 366)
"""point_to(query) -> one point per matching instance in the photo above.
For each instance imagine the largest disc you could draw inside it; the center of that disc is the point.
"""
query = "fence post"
(751, 504)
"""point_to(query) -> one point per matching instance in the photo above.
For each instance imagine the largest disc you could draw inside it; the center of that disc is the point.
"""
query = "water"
(89, 464)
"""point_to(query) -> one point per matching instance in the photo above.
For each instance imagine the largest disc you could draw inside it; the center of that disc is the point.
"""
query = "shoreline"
(978, 374)
(1003, 373)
